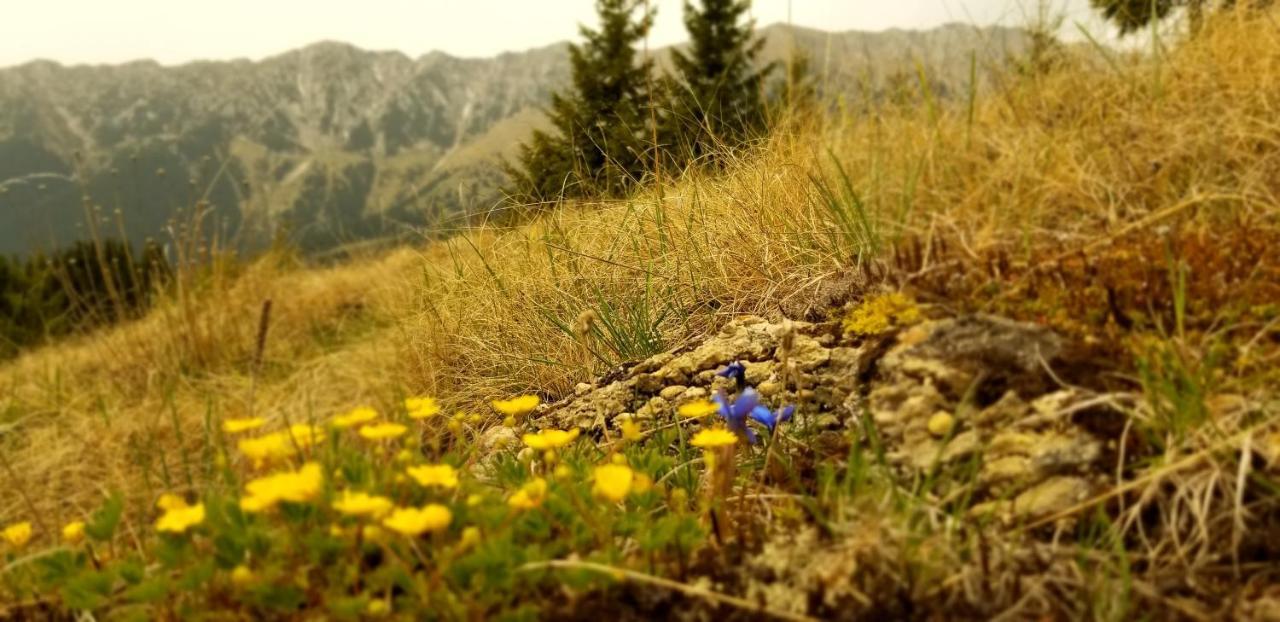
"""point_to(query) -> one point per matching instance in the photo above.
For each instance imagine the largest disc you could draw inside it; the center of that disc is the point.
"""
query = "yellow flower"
(362, 504)
(17, 535)
(236, 426)
(630, 430)
(241, 575)
(642, 484)
(363, 414)
(421, 407)
(517, 406)
(441, 475)
(73, 532)
(254, 505)
(170, 501)
(470, 537)
(562, 472)
(550, 439)
(417, 521)
(265, 448)
(180, 519)
(698, 409)
(303, 435)
(530, 495)
(377, 608)
(613, 481)
(279, 445)
(383, 431)
(474, 500)
(292, 486)
(372, 533)
(713, 437)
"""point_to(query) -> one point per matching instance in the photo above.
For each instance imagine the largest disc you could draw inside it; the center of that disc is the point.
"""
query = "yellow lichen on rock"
(880, 313)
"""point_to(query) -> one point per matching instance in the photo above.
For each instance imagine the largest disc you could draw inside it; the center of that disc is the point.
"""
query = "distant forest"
(80, 287)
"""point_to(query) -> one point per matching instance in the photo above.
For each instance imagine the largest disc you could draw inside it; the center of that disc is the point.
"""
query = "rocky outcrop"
(977, 403)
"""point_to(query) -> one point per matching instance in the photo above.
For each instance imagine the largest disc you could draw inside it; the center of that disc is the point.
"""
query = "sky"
(177, 31)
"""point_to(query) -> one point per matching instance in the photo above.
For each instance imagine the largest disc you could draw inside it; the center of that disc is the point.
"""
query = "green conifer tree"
(716, 98)
(1133, 15)
(599, 142)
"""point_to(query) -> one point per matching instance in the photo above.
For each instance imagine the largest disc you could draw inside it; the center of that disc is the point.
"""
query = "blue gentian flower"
(735, 370)
(735, 413)
(771, 419)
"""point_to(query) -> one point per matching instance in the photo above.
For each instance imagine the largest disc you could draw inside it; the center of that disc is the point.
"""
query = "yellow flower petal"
(517, 406)
(383, 431)
(179, 520)
(360, 415)
(235, 426)
(630, 430)
(417, 521)
(530, 495)
(441, 475)
(421, 407)
(170, 501)
(362, 504)
(17, 535)
(698, 409)
(613, 481)
(713, 437)
(73, 532)
(470, 537)
(291, 486)
(241, 575)
(280, 445)
(550, 439)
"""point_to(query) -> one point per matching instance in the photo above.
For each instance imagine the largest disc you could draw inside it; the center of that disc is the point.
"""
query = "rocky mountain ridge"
(331, 144)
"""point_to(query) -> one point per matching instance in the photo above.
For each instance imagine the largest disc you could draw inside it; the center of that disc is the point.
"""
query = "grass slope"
(1130, 203)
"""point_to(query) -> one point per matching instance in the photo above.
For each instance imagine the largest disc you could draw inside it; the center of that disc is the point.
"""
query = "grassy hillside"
(1129, 204)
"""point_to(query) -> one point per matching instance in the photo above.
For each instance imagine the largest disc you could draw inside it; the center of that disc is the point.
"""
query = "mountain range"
(330, 144)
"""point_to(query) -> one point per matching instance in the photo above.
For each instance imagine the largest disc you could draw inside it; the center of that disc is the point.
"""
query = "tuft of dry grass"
(997, 209)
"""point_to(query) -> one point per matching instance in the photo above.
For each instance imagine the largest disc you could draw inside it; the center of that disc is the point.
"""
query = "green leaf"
(54, 569)
(195, 578)
(102, 525)
(284, 598)
(349, 608)
(228, 551)
(151, 591)
(131, 570)
(87, 590)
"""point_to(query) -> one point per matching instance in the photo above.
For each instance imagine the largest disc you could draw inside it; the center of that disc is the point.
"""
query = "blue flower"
(735, 413)
(735, 370)
(771, 419)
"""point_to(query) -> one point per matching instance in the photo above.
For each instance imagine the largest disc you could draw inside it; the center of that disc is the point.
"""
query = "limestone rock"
(988, 376)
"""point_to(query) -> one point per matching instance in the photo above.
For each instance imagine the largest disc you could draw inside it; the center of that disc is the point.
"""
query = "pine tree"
(598, 146)
(716, 89)
(1132, 15)
(800, 90)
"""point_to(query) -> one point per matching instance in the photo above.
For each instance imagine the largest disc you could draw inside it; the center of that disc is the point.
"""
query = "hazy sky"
(175, 31)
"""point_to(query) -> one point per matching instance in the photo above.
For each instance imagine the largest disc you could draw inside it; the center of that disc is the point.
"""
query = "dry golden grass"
(1094, 150)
